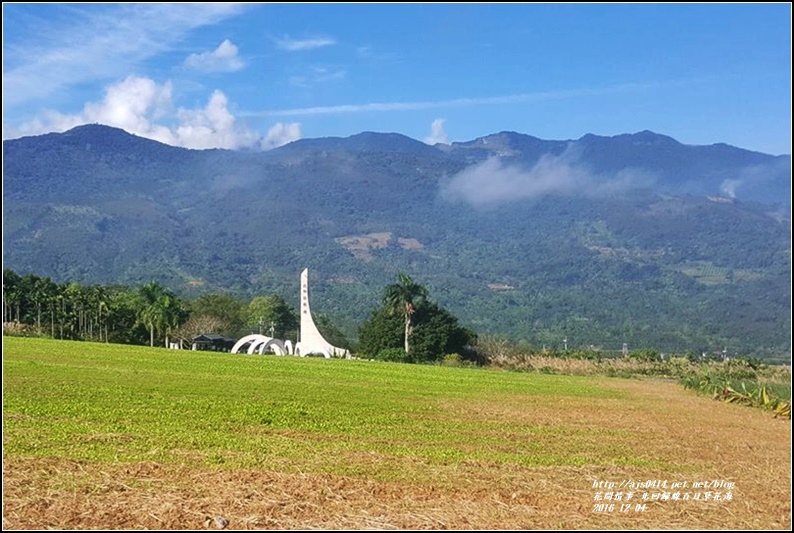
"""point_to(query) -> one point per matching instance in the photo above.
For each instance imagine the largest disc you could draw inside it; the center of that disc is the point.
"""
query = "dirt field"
(708, 441)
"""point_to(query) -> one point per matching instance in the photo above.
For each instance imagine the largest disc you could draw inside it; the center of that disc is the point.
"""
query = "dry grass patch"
(682, 436)
(361, 246)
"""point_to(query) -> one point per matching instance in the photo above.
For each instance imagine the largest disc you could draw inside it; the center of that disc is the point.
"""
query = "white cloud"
(754, 176)
(98, 42)
(492, 182)
(141, 106)
(437, 133)
(212, 127)
(296, 45)
(132, 104)
(222, 59)
(281, 134)
(729, 186)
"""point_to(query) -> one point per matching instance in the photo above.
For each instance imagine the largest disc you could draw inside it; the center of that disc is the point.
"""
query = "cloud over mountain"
(144, 107)
(281, 134)
(494, 182)
(437, 133)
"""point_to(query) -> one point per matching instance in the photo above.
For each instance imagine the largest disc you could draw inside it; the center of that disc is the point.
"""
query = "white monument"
(310, 340)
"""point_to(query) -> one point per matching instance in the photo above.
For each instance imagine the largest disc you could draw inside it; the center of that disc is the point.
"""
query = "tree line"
(406, 326)
(150, 314)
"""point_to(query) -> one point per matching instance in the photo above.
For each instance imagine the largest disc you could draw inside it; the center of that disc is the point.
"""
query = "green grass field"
(122, 403)
(114, 436)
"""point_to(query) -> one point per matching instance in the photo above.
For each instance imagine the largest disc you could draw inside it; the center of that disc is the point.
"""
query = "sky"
(256, 76)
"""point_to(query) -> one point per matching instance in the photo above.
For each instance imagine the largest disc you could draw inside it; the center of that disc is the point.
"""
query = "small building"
(211, 342)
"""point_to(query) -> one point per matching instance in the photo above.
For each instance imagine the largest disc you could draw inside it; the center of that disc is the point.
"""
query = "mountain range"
(634, 238)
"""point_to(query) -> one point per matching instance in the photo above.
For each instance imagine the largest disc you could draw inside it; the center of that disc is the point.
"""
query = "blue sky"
(260, 75)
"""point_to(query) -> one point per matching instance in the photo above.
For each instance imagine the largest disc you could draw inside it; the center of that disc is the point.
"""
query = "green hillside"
(668, 263)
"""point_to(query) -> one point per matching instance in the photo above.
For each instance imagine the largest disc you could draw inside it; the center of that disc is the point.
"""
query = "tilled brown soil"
(715, 442)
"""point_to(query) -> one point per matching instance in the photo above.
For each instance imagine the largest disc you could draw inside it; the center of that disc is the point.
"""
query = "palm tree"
(151, 312)
(403, 297)
(174, 314)
(11, 294)
(44, 292)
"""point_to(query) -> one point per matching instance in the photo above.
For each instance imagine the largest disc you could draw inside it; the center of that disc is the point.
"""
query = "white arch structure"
(261, 344)
(311, 340)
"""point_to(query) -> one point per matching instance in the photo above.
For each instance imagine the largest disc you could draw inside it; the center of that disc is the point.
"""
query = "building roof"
(213, 337)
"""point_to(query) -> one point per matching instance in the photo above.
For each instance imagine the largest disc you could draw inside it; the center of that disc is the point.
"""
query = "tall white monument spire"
(311, 340)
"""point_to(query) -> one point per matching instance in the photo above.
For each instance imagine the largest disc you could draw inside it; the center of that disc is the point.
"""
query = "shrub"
(18, 329)
(396, 355)
(644, 355)
(452, 359)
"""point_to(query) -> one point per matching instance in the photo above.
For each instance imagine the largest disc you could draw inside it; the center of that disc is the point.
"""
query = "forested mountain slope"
(602, 240)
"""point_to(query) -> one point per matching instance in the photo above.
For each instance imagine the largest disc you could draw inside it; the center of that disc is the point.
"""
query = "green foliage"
(753, 362)
(579, 353)
(41, 307)
(647, 355)
(434, 331)
(273, 317)
(382, 331)
(394, 355)
(226, 309)
(457, 360)
(159, 310)
(736, 381)
(123, 324)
